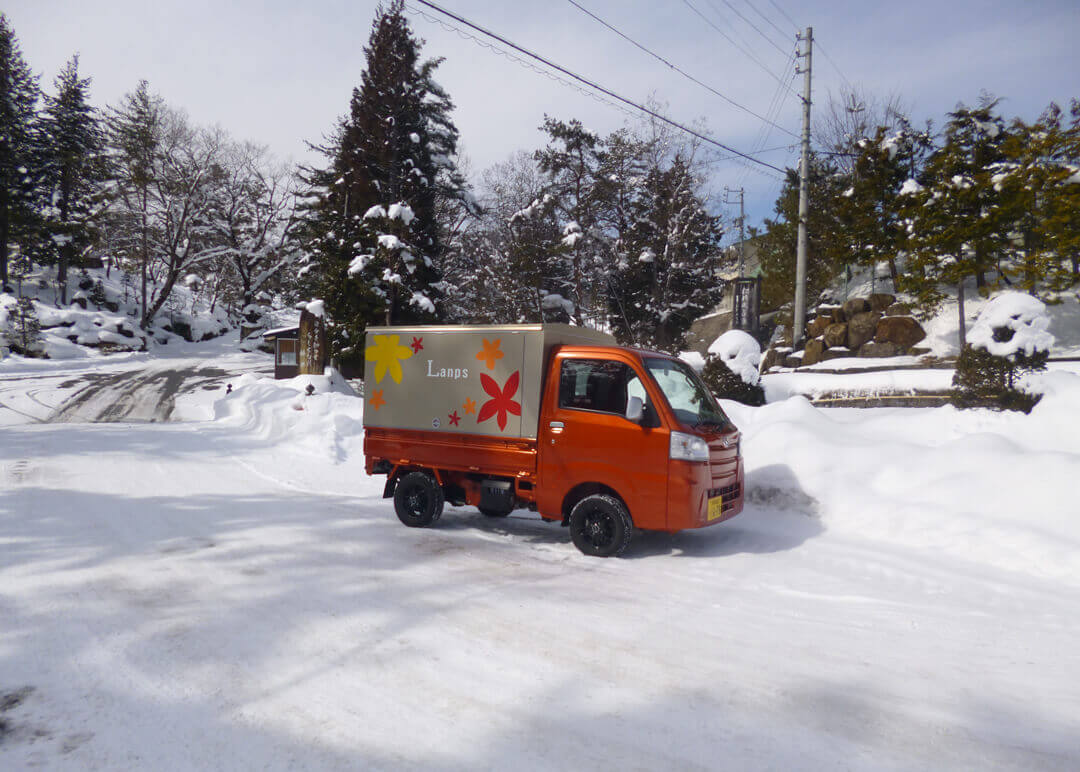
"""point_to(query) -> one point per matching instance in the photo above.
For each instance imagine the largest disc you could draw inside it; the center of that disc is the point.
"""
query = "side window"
(598, 384)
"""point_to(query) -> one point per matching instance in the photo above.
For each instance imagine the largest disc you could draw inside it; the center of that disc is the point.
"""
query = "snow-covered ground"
(902, 591)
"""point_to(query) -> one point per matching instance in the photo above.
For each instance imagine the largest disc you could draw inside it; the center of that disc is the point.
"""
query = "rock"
(111, 306)
(917, 351)
(879, 301)
(794, 360)
(771, 359)
(86, 283)
(813, 352)
(835, 313)
(79, 301)
(817, 327)
(898, 309)
(855, 306)
(874, 349)
(861, 328)
(840, 352)
(904, 331)
(836, 335)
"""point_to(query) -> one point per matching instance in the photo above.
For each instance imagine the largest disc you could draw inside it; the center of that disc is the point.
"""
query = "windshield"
(688, 397)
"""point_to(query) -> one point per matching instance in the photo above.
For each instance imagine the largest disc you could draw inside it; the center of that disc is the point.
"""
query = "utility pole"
(742, 226)
(798, 331)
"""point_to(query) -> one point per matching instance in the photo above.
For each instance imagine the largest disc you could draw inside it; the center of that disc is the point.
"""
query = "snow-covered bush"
(21, 328)
(741, 352)
(731, 368)
(1010, 337)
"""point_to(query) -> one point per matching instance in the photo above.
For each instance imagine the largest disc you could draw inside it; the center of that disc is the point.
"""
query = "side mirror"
(635, 409)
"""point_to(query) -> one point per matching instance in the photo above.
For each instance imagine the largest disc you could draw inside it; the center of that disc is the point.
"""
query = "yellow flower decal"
(469, 407)
(387, 356)
(490, 353)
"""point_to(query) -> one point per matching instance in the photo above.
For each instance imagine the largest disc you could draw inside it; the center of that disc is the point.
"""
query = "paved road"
(122, 393)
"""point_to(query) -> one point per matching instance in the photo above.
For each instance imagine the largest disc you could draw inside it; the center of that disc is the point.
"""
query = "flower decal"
(387, 355)
(469, 407)
(501, 401)
(454, 418)
(490, 353)
(376, 400)
(417, 345)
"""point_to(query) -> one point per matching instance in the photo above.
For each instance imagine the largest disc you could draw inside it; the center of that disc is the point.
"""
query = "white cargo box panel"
(470, 379)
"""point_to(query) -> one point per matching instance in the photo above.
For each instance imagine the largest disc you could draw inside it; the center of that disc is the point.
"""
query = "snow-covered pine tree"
(73, 171)
(134, 139)
(571, 161)
(957, 223)
(871, 207)
(18, 103)
(1038, 188)
(23, 331)
(665, 278)
(393, 153)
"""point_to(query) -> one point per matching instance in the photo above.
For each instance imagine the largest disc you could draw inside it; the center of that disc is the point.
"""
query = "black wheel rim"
(598, 528)
(416, 502)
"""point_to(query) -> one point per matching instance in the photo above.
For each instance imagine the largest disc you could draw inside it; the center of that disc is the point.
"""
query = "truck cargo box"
(483, 380)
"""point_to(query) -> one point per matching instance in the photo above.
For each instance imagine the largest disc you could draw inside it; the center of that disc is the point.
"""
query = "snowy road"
(187, 595)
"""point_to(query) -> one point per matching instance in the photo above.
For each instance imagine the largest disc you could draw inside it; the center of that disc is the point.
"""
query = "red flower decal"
(501, 401)
(417, 345)
(454, 418)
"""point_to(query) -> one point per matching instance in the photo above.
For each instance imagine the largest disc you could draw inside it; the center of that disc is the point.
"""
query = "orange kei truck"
(557, 419)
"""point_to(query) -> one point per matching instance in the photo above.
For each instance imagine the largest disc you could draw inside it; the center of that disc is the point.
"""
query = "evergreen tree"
(23, 330)
(134, 134)
(372, 230)
(665, 276)
(777, 244)
(957, 221)
(871, 209)
(18, 103)
(73, 170)
(572, 160)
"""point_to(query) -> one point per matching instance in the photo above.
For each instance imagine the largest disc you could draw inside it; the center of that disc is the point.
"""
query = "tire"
(418, 500)
(494, 512)
(600, 526)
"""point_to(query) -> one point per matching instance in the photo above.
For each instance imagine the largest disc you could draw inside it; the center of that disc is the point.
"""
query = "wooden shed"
(299, 350)
(286, 342)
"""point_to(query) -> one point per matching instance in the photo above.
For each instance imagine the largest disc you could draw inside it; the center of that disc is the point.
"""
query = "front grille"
(730, 493)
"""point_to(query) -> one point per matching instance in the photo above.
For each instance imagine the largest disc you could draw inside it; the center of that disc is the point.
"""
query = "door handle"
(557, 425)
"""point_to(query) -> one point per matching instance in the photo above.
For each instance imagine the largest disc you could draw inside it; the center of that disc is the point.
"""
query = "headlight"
(688, 447)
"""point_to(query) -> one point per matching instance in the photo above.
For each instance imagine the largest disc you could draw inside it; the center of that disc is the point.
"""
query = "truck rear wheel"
(600, 526)
(418, 500)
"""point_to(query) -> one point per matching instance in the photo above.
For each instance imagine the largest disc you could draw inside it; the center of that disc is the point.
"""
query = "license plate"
(716, 505)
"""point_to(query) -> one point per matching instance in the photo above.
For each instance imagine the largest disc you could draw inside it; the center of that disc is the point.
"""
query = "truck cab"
(615, 439)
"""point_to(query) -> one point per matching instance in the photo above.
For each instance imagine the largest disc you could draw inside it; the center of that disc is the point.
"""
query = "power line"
(678, 69)
(766, 18)
(598, 87)
(728, 38)
(756, 29)
(834, 66)
(784, 14)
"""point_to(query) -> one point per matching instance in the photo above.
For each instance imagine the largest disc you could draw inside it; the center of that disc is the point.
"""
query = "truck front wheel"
(418, 499)
(601, 526)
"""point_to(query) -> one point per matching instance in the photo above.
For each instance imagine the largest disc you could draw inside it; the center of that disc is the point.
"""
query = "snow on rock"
(741, 352)
(1023, 315)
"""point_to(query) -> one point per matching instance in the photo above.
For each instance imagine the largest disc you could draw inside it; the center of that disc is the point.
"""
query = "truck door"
(586, 438)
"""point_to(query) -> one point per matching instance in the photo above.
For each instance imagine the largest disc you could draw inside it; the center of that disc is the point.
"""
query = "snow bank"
(975, 486)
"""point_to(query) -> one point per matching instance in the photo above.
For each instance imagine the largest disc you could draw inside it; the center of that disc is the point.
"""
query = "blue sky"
(280, 72)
